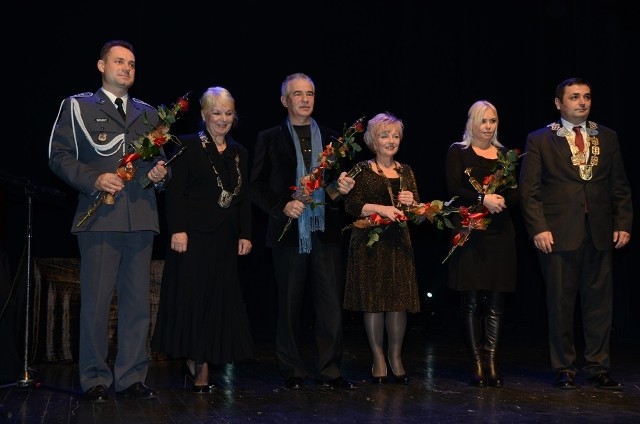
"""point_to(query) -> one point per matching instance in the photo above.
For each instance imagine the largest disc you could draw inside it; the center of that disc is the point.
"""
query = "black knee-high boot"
(493, 327)
(473, 336)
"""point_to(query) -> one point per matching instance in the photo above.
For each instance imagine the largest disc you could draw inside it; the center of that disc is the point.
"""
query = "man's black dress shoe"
(138, 391)
(603, 381)
(565, 380)
(337, 383)
(294, 383)
(97, 394)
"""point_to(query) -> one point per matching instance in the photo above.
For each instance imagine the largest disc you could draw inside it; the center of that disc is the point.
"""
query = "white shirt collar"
(568, 125)
(113, 98)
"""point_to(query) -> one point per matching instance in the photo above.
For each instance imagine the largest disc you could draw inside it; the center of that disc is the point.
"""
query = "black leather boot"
(472, 334)
(493, 326)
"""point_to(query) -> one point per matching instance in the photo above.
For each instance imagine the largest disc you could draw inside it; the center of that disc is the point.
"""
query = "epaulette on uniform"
(86, 94)
(141, 102)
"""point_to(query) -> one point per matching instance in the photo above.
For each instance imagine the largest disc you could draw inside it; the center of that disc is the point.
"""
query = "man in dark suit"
(306, 255)
(576, 203)
(89, 139)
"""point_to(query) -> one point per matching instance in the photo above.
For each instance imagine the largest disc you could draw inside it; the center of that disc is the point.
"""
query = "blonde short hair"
(379, 123)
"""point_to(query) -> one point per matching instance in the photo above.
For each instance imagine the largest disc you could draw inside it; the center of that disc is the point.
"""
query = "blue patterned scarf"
(311, 219)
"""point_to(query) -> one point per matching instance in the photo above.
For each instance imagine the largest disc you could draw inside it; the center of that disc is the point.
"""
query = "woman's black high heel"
(378, 380)
(401, 379)
(207, 388)
(190, 368)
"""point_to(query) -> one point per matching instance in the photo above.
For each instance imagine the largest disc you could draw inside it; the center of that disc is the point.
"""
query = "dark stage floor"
(438, 392)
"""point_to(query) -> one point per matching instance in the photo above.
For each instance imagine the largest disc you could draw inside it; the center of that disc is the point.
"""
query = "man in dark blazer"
(576, 204)
(88, 141)
(307, 254)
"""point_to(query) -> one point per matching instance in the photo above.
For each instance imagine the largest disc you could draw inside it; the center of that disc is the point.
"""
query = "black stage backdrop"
(427, 64)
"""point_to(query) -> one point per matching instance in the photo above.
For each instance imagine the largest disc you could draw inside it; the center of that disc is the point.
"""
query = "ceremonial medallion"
(586, 172)
(591, 148)
(225, 199)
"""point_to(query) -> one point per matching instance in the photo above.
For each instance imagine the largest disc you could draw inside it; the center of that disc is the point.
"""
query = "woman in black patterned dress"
(381, 277)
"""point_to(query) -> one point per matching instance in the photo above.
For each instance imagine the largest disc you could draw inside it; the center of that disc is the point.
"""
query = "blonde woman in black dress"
(381, 278)
(485, 267)
(201, 314)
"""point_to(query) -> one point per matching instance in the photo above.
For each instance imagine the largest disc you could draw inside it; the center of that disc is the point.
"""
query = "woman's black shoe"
(378, 380)
(207, 388)
(401, 379)
(190, 368)
(478, 377)
(294, 383)
(495, 381)
(188, 376)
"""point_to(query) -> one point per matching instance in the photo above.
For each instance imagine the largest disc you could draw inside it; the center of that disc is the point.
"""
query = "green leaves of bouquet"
(149, 144)
(346, 145)
(503, 173)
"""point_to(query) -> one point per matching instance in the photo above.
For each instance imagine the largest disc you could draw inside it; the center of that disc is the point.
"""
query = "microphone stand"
(30, 190)
(25, 379)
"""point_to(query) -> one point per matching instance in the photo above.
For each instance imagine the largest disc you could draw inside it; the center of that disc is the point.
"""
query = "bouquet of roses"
(503, 175)
(436, 211)
(145, 148)
(470, 221)
(344, 146)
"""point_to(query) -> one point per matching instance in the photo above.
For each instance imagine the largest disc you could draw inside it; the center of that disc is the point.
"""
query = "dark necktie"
(579, 139)
(121, 109)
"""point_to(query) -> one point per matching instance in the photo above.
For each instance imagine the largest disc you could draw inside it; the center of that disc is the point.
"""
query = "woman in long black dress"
(381, 278)
(485, 267)
(201, 313)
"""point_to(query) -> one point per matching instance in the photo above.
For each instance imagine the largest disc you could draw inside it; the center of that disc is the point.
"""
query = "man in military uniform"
(88, 141)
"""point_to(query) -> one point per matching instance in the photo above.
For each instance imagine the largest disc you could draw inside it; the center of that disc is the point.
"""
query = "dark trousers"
(587, 272)
(319, 271)
(110, 261)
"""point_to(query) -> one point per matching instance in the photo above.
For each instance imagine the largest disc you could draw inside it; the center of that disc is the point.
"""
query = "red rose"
(160, 141)
(183, 104)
